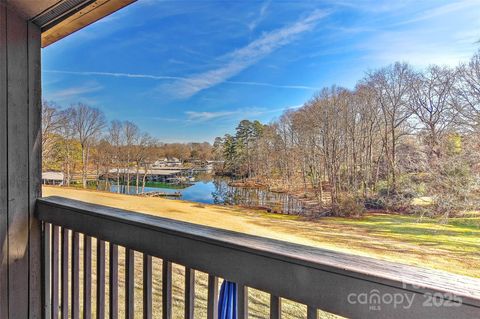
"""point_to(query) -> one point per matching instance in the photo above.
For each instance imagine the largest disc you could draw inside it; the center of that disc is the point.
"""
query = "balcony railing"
(346, 285)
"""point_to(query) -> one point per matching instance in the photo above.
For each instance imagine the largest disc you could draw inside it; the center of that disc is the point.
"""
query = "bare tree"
(51, 123)
(433, 105)
(140, 156)
(369, 141)
(392, 87)
(130, 132)
(67, 133)
(87, 123)
(468, 92)
(115, 139)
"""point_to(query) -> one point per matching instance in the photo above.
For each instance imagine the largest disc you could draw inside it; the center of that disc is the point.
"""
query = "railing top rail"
(232, 255)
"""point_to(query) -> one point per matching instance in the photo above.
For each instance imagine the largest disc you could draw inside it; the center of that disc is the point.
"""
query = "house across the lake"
(167, 162)
(152, 175)
(53, 178)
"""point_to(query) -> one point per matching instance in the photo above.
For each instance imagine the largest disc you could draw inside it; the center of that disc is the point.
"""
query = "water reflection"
(252, 197)
(215, 190)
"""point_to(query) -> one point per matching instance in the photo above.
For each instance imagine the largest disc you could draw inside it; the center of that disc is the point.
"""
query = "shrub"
(375, 203)
(349, 206)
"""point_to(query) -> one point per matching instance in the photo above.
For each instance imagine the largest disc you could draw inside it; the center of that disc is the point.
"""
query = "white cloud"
(419, 48)
(117, 74)
(444, 35)
(207, 116)
(446, 9)
(371, 6)
(261, 15)
(248, 113)
(75, 91)
(168, 77)
(280, 86)
(242, 58)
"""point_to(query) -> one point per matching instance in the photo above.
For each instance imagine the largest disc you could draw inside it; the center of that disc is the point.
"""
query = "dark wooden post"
(20, 166)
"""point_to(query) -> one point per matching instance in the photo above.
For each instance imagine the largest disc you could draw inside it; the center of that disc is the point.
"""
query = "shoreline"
(313, 206)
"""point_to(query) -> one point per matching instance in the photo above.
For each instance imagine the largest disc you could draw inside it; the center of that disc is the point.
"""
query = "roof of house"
(53, 176)
(164, 172)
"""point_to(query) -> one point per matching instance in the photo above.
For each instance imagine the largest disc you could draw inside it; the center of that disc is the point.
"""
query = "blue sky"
(191, 70)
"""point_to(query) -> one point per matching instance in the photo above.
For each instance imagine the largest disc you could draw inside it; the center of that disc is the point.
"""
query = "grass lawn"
(453, 247)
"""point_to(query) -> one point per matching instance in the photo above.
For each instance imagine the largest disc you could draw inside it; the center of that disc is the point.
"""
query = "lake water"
(200, 191)
(217, 191)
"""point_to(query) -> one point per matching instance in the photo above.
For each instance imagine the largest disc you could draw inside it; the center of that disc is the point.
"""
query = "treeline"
(401, 135)
(78, 141)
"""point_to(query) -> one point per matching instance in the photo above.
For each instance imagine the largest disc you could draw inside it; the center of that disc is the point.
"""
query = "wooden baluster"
(65, 279)
(312, 313)
(189, 293)
(100, 279)
(166, 289)
(55, 273)
(129, 283)
(87, 277)
(47, 271)
(275, 307)
(113, 292)
(147, 286)
(212, 299)
(75, 276)
(242, 301)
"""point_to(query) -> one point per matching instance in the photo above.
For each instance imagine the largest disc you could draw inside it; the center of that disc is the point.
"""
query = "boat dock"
(161, 194)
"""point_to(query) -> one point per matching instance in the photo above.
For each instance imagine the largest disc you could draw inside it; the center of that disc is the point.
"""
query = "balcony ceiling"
(58, 19)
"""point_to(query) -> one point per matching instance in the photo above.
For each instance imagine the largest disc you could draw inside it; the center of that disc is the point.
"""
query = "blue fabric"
(227, 302)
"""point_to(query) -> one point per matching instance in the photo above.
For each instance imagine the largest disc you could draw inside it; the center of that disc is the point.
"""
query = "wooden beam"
(147, 287)
(28, 8)
(20, 147)
(129, 284)
(65, 279)
(212, 297)
(55, 271)
(34, 168)
(3, 166)
(166, 289)
(242, 301)
(100, 279)
(18, 187)
(275, 307)
(75, 281)
(189, 296)
(76, 20)
(47, 271)
(87, 277)
(113, 282)
(312, 313)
